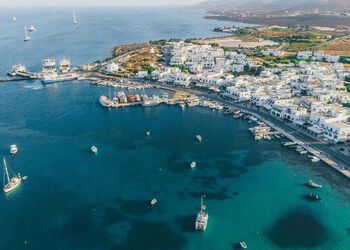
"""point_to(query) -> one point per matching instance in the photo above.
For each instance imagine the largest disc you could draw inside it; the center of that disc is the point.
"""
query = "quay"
(295, 141)
(5, 80)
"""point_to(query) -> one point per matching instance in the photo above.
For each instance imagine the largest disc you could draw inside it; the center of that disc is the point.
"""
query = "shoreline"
(322, 156)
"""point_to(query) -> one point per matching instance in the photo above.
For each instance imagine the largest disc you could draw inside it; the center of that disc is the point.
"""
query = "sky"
(28, 3)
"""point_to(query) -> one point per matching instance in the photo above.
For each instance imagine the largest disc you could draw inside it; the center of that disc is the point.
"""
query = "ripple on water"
(298, 229)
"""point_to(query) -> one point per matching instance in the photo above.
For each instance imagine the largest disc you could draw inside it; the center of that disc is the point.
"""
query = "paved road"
(328, 151)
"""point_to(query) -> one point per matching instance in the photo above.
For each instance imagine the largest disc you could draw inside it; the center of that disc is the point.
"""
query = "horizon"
(102, 3)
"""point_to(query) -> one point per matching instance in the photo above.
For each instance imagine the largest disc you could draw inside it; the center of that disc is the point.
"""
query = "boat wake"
(34, 86)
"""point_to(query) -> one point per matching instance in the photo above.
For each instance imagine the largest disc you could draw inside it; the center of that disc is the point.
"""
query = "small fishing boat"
(202, 217)
(10, 183)
(148, 133)
(243, 244)
(193, 164)
(199, 138)
(93, 149)
(154, 202)
(314, 197)
(313, 184)
(13, 149)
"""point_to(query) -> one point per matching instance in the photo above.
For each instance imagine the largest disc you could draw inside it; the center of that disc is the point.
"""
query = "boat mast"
(201, 203)
(25, 32)
(6, 170)
(74, 18)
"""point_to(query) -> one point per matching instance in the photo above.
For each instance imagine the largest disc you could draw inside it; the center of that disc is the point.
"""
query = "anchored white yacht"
(202, 217)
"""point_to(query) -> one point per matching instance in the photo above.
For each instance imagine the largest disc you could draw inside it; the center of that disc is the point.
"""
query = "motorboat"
(193, 164)
(93, 149)
(13, 149)
(313, 184)
(243, 244)
(154, 202)
(314, 197)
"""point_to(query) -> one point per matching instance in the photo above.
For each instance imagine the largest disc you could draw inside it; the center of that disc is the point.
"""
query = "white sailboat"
(10, 183)
(26, 37)
(75, 22)
(14, 18)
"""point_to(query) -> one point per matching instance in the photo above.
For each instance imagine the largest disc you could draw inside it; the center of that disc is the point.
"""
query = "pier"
(295, 141)
(14, 79)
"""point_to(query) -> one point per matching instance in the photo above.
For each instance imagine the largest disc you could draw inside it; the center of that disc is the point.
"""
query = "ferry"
(15, 69)
(10, 183)
(313, 184)
(13, 149)
(48, 65)
(64, 65)
(202, 218)
(54, 77)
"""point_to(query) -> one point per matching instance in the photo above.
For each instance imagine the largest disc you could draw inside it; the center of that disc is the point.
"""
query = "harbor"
(132, 176)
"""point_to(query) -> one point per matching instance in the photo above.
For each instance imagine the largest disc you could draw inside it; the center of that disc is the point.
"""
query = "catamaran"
(202, 217)
(10, 183)
(26, 37)
(75, 22)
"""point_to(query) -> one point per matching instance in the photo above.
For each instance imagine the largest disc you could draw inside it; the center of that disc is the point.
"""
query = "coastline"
(339, 168)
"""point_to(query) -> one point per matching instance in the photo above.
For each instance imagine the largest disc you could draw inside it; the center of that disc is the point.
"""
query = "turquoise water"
(76, 200)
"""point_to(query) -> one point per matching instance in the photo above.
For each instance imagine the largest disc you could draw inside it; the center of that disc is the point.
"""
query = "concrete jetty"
(337, 167)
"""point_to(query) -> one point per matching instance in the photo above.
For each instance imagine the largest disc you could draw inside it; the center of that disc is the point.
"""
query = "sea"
(73, 199)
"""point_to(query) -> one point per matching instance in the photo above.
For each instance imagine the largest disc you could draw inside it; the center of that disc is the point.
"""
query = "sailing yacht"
(75, 22)
(26, 37)
(202, 217)
(10, 184)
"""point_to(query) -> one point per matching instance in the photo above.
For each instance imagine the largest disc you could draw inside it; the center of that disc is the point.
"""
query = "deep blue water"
(76, 200)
